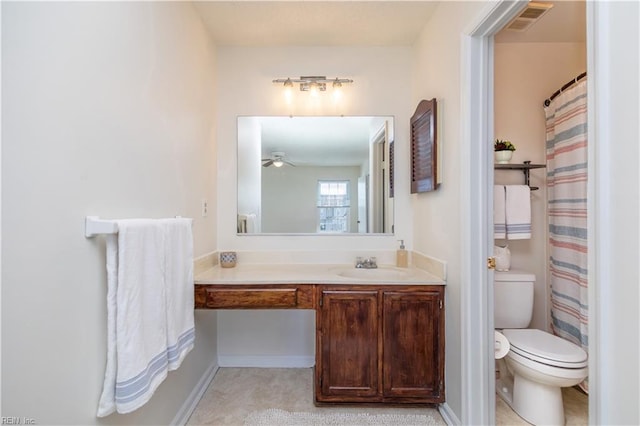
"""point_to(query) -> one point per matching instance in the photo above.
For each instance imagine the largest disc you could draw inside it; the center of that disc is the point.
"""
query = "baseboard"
(266, 361)
(448, 415)
(189, 405)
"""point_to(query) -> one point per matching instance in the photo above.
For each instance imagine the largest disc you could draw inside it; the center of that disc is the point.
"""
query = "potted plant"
(503, 151)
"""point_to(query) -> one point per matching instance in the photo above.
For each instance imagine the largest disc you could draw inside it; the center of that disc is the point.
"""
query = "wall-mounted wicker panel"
(423, 147)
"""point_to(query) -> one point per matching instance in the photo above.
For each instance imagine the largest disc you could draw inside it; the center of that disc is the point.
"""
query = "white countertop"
(315, 274)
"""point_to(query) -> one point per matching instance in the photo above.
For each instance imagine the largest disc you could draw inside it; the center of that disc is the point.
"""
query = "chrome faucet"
(367, 263)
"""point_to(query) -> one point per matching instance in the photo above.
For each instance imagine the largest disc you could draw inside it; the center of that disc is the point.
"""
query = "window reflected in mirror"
(334, 206)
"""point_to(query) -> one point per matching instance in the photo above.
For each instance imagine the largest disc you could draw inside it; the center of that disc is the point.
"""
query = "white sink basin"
(377, 274)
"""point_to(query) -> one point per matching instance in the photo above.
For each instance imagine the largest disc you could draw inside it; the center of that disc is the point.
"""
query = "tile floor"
(236, 392)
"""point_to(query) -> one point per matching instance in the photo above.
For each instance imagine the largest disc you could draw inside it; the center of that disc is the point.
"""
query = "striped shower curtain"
(566, 128)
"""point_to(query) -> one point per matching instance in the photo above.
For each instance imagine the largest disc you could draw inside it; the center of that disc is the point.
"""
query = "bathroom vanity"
(379, 334)
(377, 343)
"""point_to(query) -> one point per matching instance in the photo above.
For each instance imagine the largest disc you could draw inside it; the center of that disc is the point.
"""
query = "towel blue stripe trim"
(140, 384)
(129, 390)
(187, 338)
(144, 372)
(519, 228)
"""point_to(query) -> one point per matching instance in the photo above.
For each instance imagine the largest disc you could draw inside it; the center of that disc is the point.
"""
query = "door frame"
(478, 364)
(477, 118)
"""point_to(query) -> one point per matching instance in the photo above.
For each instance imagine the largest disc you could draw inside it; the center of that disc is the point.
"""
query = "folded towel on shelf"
(149, 313)
(518, 212)
(499, 221)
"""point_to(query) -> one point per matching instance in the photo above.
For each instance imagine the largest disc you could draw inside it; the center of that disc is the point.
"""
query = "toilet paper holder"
(501, 345)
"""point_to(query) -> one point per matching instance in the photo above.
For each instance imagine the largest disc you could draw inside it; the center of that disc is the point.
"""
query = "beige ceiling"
(315, 23)
(359, 23)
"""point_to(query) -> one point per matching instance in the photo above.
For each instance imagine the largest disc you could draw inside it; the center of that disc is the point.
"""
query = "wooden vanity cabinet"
(254, 296)
(348, 341)
(413, 345)
(380, 344)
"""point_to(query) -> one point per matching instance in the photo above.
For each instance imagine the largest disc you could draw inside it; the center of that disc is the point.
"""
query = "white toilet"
(538, 364)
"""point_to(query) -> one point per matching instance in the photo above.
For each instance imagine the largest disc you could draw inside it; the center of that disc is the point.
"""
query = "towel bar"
(93, 226)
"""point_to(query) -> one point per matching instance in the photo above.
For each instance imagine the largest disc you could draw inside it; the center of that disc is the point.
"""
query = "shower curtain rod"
(563, 88)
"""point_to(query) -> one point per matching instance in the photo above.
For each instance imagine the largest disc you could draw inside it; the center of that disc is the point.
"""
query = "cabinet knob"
(491, 262)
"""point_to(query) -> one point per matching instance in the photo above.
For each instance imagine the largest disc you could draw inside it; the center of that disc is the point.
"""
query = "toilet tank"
(513, 299)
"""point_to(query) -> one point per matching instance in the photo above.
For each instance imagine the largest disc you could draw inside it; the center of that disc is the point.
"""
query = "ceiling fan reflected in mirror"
(277, 159)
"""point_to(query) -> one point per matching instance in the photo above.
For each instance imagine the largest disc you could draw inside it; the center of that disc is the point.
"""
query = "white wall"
(525, 75)
(107, 109)
(435, 215)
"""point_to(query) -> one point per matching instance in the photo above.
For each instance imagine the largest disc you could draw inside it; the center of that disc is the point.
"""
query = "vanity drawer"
(254, 297)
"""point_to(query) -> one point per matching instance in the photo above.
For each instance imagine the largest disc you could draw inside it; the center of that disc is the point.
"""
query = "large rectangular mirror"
(315, 175)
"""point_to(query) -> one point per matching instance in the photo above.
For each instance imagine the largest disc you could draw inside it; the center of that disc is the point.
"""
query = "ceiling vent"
(529, 16)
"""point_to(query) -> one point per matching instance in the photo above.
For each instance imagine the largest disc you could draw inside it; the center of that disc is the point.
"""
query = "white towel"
(179, 289)
(251, 223)
(518, 212)
(148, 327)
(499, 221)
(242, 224)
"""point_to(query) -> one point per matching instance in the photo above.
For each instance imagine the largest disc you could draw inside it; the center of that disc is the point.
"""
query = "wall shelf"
(525, 167)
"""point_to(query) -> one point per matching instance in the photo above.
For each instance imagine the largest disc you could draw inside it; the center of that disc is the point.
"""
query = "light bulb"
(278, 163)
(337, 94)
(288, 90)
(313, 89)
(288, 94)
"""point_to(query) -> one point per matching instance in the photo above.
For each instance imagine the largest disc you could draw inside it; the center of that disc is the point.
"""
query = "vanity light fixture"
(313, 84)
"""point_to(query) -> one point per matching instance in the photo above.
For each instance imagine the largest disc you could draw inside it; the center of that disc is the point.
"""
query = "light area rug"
(273, 416)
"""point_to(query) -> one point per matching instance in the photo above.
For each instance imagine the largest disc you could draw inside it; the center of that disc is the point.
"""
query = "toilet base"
(527, 407)
(537, 403)
(504, 383)
(505, 393)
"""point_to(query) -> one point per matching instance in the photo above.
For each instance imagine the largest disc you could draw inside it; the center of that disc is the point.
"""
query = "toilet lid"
(546, 348)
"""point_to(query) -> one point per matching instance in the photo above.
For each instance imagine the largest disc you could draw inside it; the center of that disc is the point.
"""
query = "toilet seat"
(546, 348)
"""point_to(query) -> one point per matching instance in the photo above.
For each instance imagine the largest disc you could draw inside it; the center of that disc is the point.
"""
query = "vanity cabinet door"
(413, 346)
(348, 341)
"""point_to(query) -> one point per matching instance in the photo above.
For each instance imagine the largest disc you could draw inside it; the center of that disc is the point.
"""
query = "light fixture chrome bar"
(305, 87)
(319, 82)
